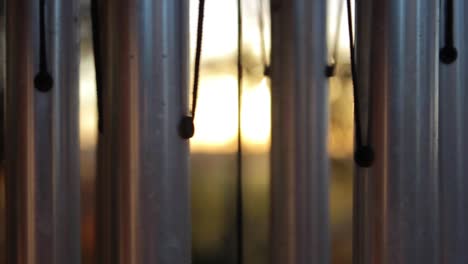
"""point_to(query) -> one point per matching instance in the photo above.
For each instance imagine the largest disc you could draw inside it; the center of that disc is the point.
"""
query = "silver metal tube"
(42, 146)
(299, 223)
(361, 189)
(145, 85)
(397, 207)
(453, 120)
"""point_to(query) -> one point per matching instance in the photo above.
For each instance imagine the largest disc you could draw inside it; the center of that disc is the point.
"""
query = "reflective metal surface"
(361, 187)
(397, 201)
(42, 166)
(143, 177)
(453, 145)
(300, 179)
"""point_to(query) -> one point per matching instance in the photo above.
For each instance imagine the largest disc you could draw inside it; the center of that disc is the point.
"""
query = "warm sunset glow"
(216, 118)
(256, 117)
(220, 28)
(88, 111)
(216, 121)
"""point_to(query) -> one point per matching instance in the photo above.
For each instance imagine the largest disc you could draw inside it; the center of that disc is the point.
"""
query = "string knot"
(364, 156)
(330, 70)
(448, 54)
(186, 127)
(43, 81)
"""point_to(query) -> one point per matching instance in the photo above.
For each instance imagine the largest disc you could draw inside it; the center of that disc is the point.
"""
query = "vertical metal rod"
(144, 160)
(397, 204)
(106, 237)
(453, 162)
(363, 42)
(42, 144)
(300, 180)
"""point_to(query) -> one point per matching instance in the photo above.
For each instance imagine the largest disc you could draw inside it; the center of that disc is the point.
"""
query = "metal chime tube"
(299, 223)
(397, 207)
(453, 144)
(42, 144)
(361, 188)
(144, 160)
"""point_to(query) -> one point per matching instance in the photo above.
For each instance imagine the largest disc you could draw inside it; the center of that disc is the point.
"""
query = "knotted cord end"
(364, 156)
(43, 81)
(330, 70)
(267, 71)
(186, 127)
(448, 54)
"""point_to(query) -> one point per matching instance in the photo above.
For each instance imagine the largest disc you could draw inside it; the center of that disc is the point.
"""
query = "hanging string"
(364, 154)
(186, 125)
(331, 67)
(239, 190)
(43, 80)
(97, 61)
(261, 26)
(449, 53)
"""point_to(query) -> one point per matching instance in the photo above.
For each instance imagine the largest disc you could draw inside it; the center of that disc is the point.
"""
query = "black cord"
(196, 78)
(448, 53)
(239, 190)
(186, 124)
(43, 80)
(364, 154)
(97, 61)
(261, 26)
(330, 70)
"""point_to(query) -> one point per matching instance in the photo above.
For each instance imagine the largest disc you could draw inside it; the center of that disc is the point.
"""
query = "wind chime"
(409, 204)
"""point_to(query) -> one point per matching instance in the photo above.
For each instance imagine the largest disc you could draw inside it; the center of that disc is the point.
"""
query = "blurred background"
(213, 149)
